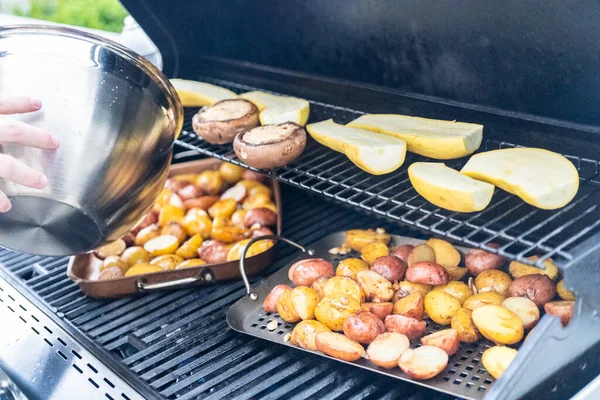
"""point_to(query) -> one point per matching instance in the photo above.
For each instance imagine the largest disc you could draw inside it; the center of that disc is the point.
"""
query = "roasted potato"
(237, 193)
(333, 310)
(477, 260)
(375, 286)
(175, 229)
(403, 252)
(446, 339)
(405, 288)
(305, 333)
(410, 306)
(413, 328)
(189, 192)
(445, 254)
(110, 274)
(260, 216)
(350, 267)
(191, 263)
(256, 200)
(167, 261)
(427, 273)
(561, 309)
(441, 306)
(390, 267)
(189, 249)
(149, 232)
(305, 301)
(424, 362)
(270, 303)
(356, 239)
(456, 273)
(161, 245)
(363, 327)
(135, 255)
(170, 213)
(174, 185)
(201, 203)
(285, 307)
(255, 177)
(563, 292)
(235, 253)
(343, 284)
(197, 221)
(305, 272)
(373, 251)
(480, 299)
(498, 324)
(210, 181)
(496, 359)
(537, 288)
(237, 218)
(214, 251)
(225, 231)
(149, 219)
(421, 253)
(338, 346)
(141, 269)
(223, 208)
(319, 286)
(525, 309)
(115, 248)
(463, 324)
(114, 261)
(231, 173)
(493, 280)
(460, 290)
(517, 269)
(386, 349)
(382, 310)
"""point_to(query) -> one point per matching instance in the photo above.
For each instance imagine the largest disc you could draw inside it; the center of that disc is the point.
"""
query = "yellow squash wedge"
(442, 140)
(448, 188)
(376, 154)
(199, 94)
(279, 109)
(540, 177)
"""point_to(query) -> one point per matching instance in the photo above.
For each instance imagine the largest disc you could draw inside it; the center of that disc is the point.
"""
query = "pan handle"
(204, 276)
(249, 292)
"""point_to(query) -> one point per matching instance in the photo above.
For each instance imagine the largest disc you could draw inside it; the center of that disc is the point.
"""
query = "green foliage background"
(106, 15)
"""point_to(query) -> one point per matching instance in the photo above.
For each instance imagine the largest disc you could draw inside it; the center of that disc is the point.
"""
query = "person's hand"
(12, 131)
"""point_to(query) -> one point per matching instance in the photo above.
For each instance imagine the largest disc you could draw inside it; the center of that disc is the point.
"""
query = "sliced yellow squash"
(540, 177)
(442, 140)
(376, 154)
(199, 94)
(279, 109)
(448, 188)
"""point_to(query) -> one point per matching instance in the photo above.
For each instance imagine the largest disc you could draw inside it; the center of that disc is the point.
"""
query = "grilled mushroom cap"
(270, 146)
(221, 122)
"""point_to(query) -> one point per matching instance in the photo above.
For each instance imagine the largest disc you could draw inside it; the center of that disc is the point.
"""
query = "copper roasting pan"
(84, 269)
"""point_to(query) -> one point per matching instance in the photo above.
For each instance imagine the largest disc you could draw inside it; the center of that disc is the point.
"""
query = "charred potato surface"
(345, 285)
(375, 286)
(493, 281)
(373, 251)
(410, 306)
(333, 310)
(350, 267)
(462, 322)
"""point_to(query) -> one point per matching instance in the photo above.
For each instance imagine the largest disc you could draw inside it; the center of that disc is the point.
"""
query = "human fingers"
(4, 203)
(10, 104)
(12, 131)
(19, 173)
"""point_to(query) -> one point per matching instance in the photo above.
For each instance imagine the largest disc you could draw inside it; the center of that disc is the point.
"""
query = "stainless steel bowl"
(116, 116)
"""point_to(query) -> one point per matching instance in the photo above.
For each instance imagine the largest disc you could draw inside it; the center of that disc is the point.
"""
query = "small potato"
(237, 193)
(498, 324)
(174, 185)
(110, 274)
(386, 349)
(405, 288)
(305, 301)
(460, 290)
(363, 327)
(237, 218)
(191, 263)
(356, 239)
(338, 346)
(201, 203)
(255, 177)
(141, 269)
(410, 306)
(210, 181)
(161, 245)
(403, 252)
(224, 231)
(260, 189)
(445, 254)
(441, 306)
(285, 307)
(149, 219)
(413, 328)
(115, 248)
(343, 284)
(197, 221)
(250, 183)
(189, 192)
(562, 309)
(537, 288)
(167, 261)
(427, 273)
(260, 216)
(373, 251)
(319, 285)
(170, 213)
(390, 267)
(333, 310)
(270, 303)
(525, 309)
(305, 333)
(424, 362)
(135, 255)
(175, 229)
(517, 269)
(189, 249)
(496, 359)
(114, 261)
(456, 273)
(149, 232)
(213, 251)
(446, 339)
(421, 253)
(493, 280)
(231, 173)
(305, 272)
(350, 267)
(463, 324)
(375, 286)
(256, 200)
(477, 260)
(382, 310)
(563, 292)
(480, 299)
(235, 253)
(129, 239)
(222, 208)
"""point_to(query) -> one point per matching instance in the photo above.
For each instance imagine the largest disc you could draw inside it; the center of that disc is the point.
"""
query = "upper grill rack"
(521, 229)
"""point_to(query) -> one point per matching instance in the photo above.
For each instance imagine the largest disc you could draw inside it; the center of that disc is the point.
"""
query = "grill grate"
(521, 229)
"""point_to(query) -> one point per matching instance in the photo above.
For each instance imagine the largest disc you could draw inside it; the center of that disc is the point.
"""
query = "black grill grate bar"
(58, 295)
(294, 383)
(309, 391)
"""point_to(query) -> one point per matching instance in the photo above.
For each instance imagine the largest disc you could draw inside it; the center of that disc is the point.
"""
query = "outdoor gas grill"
(527, 72)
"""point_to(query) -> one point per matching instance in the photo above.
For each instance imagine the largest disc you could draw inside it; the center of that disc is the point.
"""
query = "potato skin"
(563, 292)
(445, 254)
(441, 306)
(446, 339)
(373, 251)
(343, 284)
(305, 332)
(496, 359)
(305, 272)
(350, 267)
(413, 328)
(410, 306)
(319, 286)
(517, 269)
(463, 324)
(480, 299)
(456, 273)
(493, 280)
(387, 348)
(333, 310)
(460, 290)
(381, 310)
(421, 253)
(562, 309)
(423, 363)
(375, 286)
(537, 288)
(498, 324)
(285, 307)
(363, 327)
(390, 267)
(427, 273)
(213, 251)
(110, 273)
(403, 252)
(477, 260)
(405, 288)
(356, 239)
(202, 203)
(525, 309)
(338, 346)
(305, 301)
(261, 216)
